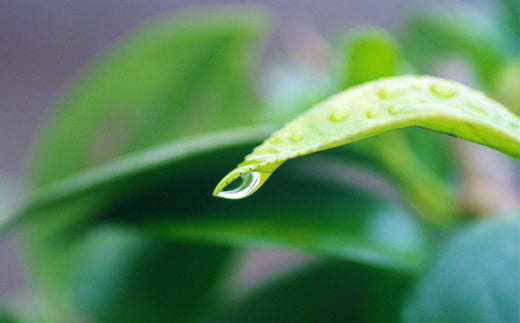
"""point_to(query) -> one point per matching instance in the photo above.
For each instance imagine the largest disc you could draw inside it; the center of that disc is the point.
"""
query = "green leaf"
(510, 13)
(177, 76)
(507, 83)
(63, 227)
(124, 276)
(371, 54)
(374, 108)
(326, 292)
(474, 279)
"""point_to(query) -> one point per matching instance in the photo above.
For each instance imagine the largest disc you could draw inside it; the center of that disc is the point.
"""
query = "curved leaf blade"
(373, 108)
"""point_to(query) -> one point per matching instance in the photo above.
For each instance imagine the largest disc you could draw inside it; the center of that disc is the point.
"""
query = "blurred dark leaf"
(476, 278)
(324, 215)
(6, 316)
(329, 292)
(511, 13)
(297, 212)
(124, 276)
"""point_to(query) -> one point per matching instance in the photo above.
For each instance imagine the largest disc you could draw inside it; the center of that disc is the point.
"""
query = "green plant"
(121, 226)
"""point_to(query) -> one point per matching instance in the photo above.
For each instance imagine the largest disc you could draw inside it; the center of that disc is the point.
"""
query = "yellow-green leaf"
(375, 107)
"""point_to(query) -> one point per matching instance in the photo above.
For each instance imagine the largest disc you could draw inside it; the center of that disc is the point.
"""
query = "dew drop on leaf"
(389, 93)
(296, 137)
(395, 109)
(338, 115)
(443, 90)
(476, 108)
(371, 114)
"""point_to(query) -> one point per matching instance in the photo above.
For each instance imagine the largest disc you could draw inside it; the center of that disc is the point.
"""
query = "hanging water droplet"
(338, 115)
(443, 90)
(296, 137)
(371, 114)
(250, 182)
(395, 109)
(389, 93)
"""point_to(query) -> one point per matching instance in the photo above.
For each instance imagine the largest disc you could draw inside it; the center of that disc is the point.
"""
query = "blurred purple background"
(43, 43)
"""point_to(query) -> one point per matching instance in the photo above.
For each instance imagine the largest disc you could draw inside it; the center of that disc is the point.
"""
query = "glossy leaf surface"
(376, 107)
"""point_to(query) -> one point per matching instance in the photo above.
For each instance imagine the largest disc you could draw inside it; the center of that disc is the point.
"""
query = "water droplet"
(338, 115)
(514, 125)
(443, 90)
(476, 108)
(395, 109)
(296, 137)
(390, 93)
(416, 87)
(250, 182)
(371, 114)
(422, 100)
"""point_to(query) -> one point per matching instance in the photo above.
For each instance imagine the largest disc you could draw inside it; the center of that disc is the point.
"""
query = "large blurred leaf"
(476, 278)
(63, 229)
(323, 215)
(329, 292)
(173, 189)
(176, 77)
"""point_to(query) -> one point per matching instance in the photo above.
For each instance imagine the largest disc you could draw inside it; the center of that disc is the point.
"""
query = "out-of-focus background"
(44, 43)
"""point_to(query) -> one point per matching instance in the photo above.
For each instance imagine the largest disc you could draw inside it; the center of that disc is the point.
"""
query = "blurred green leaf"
(6, 316)
(63, 222)
(475, 278)
(429, 36)
(124, 276)
(370, 54)
(329, 292)
(176, 77)
(507, 85)
(510, 14)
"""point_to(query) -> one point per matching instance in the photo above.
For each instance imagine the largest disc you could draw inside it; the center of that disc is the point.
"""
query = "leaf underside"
(375, 107)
